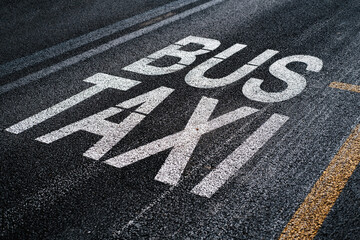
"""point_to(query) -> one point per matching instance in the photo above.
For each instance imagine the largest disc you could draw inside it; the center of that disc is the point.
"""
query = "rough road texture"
(50, 191)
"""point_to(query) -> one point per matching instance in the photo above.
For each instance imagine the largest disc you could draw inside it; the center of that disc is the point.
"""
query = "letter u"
(196, 78)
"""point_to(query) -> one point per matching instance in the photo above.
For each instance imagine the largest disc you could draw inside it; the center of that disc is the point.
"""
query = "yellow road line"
(157, 19)
(345, 86)
(308, 219)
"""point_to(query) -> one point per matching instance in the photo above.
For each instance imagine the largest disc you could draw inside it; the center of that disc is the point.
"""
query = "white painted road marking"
(102, 48)
(197, 79)
(40, 56)
(183, 142)
(227, 168)
(185, 57)
(230, 51)
(102, 81)
(296, 83)
(111, 132)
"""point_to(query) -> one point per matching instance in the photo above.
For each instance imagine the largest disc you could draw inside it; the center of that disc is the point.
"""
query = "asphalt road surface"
(220, 119)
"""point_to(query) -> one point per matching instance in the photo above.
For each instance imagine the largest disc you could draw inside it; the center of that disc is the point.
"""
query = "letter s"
(296, 83)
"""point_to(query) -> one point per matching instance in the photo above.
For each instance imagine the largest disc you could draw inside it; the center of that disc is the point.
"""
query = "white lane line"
(58, 188)
(227, 168)
(102, 48)
(116, 233)
(40, 56)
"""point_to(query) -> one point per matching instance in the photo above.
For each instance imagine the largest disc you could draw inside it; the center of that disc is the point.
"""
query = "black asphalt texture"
(50, 191)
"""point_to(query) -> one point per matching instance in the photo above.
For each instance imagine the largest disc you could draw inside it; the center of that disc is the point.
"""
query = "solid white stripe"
(102, 48)
(74, 43)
